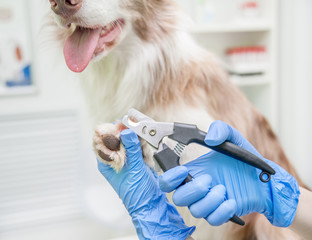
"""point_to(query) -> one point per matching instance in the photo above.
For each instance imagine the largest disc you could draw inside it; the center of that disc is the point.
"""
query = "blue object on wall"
(24, 80)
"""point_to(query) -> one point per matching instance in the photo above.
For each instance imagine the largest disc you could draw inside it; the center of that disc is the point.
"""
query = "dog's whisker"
(118, 25)
(114, 23)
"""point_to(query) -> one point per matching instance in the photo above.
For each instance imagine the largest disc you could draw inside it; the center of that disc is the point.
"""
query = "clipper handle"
(188, 133)
(167, 159)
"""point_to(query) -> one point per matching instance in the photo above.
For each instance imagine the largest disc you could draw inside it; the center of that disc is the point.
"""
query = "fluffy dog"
(142, 57)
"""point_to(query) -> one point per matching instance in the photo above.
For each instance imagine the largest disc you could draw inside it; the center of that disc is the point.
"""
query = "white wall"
(296, 83)
(58, 89)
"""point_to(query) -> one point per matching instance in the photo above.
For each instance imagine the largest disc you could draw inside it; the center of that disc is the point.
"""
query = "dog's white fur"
(127, 74)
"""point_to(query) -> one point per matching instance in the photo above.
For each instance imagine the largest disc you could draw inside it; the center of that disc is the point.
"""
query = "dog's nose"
(65, 8)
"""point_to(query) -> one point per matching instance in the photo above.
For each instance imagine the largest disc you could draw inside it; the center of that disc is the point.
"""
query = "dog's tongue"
(79, 48)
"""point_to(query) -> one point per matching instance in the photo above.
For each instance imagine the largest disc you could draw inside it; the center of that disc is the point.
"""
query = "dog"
(137, 54)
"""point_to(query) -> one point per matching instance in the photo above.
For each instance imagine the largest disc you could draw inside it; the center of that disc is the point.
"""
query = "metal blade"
(148, 129)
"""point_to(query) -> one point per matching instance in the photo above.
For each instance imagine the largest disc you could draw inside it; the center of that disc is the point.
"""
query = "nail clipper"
(154, 133)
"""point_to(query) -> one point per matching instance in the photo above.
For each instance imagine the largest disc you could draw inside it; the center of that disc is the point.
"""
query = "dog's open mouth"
(87, 43)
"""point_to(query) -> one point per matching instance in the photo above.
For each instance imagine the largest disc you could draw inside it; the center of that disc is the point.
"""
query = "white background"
(295, 66)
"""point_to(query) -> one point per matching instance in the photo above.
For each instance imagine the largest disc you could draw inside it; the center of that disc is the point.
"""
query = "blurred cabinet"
(38, 181)
(223, 25)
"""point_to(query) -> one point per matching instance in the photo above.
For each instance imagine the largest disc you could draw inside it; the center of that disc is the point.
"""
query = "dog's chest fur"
(145, 76)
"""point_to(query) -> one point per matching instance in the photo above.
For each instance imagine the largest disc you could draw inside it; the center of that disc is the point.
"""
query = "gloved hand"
(223, 186)
(137, 186)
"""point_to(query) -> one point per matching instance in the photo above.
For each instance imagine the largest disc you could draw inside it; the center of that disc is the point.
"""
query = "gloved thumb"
(132, 145)
(218, 133)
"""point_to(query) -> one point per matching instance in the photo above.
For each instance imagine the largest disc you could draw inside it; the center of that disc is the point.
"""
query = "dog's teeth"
(103, 32)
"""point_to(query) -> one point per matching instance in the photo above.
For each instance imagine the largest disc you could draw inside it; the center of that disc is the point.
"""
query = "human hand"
(223, 186)
(137, 186)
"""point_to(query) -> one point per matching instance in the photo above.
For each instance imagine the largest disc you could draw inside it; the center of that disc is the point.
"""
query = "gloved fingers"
(220, 132)
(209, 203)
(171, 179)
(223, 213)
(132, 145)
(105, 169)
(192, 191)
(130, 140)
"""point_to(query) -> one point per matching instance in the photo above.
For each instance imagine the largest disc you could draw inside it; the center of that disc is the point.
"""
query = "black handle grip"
(167, 159)
(188, 133)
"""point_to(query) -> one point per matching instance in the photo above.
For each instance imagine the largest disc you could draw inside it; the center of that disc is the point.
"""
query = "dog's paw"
(107, 145)
(110, 150)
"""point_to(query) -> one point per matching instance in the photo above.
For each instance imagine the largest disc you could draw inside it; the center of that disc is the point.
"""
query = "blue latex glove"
(223, 186)
(137, 186)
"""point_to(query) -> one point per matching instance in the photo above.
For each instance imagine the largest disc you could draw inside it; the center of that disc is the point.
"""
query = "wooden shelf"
(232, 27)
(237, 29)
(249, 81)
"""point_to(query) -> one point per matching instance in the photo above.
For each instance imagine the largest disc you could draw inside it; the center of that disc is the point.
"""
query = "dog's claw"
(104, 156)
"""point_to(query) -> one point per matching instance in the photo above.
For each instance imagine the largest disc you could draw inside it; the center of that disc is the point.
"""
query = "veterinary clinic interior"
(50, 185)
